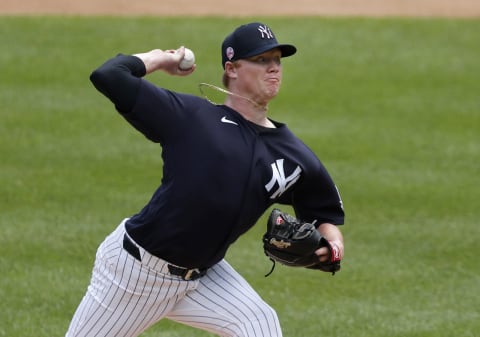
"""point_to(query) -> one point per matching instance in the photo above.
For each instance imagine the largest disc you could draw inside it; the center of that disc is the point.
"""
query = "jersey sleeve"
(119, 80)
(161, 114)
(154, 111)
(317, 198)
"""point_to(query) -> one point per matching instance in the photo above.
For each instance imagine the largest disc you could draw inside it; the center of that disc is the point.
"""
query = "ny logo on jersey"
(278, 176)
(266, 32)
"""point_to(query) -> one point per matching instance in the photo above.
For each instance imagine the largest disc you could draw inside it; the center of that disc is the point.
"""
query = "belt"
(184, 273)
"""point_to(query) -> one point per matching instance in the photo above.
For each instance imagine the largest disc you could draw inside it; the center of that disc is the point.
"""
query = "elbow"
(97, 77)
(94, 76)
(103, 81)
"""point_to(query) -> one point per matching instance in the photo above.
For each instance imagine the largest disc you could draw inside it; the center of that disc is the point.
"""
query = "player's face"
(261, 75)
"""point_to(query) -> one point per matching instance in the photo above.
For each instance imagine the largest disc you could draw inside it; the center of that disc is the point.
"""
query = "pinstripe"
(125, 297)
(114, 299)
(135, 325)
(121, 309)
(102, 311)
(233, 300)
(226, 304)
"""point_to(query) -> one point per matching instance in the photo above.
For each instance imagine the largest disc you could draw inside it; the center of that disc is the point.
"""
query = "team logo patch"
(230, 53)
(281, 179)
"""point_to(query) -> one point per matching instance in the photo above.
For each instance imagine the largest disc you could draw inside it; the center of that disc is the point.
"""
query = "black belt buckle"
(186, 274)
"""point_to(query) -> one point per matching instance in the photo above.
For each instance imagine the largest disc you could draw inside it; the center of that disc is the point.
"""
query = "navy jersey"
(220, 173)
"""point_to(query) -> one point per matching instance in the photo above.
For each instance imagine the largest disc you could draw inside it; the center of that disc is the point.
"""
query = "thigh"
(224, 303)
(124, 297)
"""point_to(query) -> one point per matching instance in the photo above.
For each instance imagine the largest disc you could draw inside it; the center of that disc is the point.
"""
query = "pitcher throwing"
(224, 166)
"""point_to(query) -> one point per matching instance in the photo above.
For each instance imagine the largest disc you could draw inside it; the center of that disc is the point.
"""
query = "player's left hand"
(331, 253)
(299, 244)
(323, 254)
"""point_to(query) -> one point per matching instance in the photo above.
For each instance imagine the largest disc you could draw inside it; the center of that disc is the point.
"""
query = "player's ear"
(230, 69)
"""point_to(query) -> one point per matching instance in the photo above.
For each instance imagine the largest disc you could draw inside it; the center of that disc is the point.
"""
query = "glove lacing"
(273, 267)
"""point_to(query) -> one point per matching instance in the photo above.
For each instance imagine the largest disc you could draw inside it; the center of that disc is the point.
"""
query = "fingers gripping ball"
(188, 60)
(293, 243)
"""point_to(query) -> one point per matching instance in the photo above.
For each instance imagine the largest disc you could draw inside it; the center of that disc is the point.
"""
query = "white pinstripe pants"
(126, 296)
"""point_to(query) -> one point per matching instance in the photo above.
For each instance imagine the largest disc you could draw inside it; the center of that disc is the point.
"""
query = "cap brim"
(286, 49)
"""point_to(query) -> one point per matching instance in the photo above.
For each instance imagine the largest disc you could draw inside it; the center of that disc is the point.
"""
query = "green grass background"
(391, 106)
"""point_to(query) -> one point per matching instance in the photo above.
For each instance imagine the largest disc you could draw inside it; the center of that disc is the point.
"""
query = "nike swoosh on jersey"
(226, 120)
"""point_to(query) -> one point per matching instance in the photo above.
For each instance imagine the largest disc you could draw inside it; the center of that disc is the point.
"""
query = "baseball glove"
(293, 243)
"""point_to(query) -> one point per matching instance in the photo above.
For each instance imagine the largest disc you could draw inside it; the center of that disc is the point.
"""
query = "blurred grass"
(391, 106)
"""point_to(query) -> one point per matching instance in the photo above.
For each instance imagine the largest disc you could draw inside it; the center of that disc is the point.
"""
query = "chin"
(273, 93)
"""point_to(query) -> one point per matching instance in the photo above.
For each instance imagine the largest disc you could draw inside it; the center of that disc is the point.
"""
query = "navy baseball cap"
(252, 39)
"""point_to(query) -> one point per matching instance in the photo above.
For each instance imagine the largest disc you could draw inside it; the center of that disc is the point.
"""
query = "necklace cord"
(214, 87)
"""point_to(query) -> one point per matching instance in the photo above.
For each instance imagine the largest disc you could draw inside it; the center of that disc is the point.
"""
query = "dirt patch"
(439, 8)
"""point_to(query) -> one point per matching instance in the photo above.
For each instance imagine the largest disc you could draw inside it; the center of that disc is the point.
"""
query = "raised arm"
(119, 77)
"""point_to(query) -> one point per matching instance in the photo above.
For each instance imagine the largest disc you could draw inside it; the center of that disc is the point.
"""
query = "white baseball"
(188, 60)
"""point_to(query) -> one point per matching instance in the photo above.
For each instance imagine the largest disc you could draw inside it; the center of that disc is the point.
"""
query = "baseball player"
(223, 167)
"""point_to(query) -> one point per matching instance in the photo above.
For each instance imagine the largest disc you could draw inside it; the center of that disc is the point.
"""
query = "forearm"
(333, 234)
(153, 60)
(167, 61)
(330, 232)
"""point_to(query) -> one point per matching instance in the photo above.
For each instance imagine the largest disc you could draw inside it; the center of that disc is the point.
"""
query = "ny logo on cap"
(266, 32)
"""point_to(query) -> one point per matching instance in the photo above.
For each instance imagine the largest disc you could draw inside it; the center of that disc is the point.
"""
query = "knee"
(260, 321)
